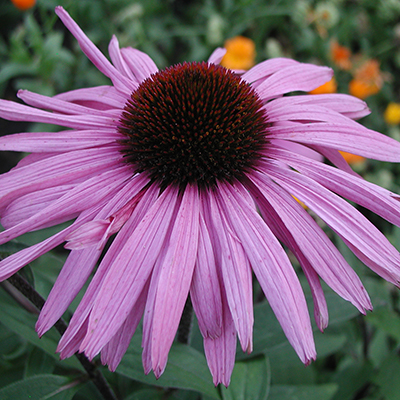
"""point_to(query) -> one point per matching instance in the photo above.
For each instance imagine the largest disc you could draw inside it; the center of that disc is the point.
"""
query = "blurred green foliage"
(358, 356)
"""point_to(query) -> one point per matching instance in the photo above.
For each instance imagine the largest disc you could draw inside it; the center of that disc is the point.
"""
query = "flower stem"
(38, 301)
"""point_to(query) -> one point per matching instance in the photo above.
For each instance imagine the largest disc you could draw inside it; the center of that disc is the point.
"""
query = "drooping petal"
(128, 274)
(55, 170)
(313, 243)
(236, 274)
(75, 272)
(80, 263)
(205, 291)
(16, 261)
(26, 206)
(86, 195)
(272, 269)
(220, 351)
(344, 219)
(115, 349)
(80, 317)
(175, 277)
(375, 198)
(280, 230)
(19, 112)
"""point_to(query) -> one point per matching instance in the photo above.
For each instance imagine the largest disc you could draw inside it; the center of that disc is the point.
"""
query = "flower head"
(192, 169)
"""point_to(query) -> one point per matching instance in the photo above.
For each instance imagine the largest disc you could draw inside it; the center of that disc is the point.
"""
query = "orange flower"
(327, 87)
(352, 158)
(392, 114)
(24, 4)
(362, 89)
(240, 53)
(368, 80)
(340, 55)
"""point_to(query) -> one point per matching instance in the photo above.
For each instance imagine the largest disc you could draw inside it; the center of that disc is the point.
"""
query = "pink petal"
(237, 277)
(115, 349)
(313, 243)
(344, 219)
(26, 206)
(175, 277)
(18, 112)
(74, 274)
(128, 274)
(375, 198)
(280, 230)
(304, 77)
(99, 231)
(87, 194)
(94, 54)
(216, 55)
(205, 291)
(62, 106)
(118, 61)
(335, 158)
(73, 345)
(220, 352)
(56, 170)
(300, 113)
(139, 63)
(273, 270)
(349, 106)
(353, 138)
(10, 265)
(99, 97)
(268, 67)
(81, 315)
(54, 141)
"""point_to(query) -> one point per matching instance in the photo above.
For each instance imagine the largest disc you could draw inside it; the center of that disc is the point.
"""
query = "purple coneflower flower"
(192, 169)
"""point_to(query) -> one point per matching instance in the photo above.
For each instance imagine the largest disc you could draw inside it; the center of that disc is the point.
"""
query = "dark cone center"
(195, 122)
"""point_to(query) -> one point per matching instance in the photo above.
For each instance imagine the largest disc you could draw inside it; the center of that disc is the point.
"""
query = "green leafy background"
(358, 356)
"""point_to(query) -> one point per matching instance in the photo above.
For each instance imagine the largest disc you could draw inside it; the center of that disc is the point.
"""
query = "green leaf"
(22, 323)
(250, 380)
(186, 369)
(39, 363)
(268, 334)
(351, 379)
(388, 378)
(146, 394)
(41, 387)
(386, 320)
(302, 392)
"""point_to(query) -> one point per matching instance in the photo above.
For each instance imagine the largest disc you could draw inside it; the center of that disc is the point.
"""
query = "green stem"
(38, 301)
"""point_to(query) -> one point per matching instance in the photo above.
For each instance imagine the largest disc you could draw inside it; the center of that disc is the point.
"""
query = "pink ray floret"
(171, 240)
